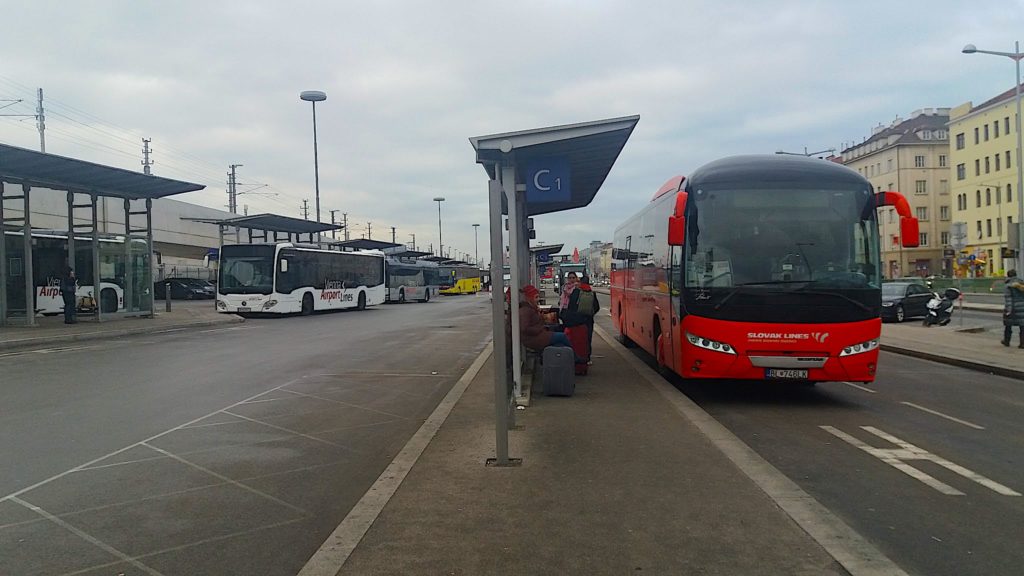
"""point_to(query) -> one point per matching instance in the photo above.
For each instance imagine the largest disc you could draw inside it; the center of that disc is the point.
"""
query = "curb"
(42, 341)
(959, 362)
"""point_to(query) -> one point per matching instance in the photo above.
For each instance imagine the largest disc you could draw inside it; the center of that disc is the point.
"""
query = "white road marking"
(87, 537)
(907, 451)
(335, 551)
(946, 416)
(48, 350)
(169, 330)
(348, 404)
(226, 329)
(859, 387)
(290, 431)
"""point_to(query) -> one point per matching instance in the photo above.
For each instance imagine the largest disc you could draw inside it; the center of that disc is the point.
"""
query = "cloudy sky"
(214, 83)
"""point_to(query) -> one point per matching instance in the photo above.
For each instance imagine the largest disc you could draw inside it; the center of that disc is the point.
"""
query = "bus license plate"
(244, 309)
(781, 373)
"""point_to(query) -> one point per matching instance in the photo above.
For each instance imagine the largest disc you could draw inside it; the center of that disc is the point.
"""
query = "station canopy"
(410, 254)
(547, 249)
(272, 223)
(365, 244)
(586, 150)
(42, 170)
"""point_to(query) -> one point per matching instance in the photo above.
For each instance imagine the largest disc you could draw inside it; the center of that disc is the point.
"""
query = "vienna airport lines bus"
(412, 280)
(460, 279)
(757, 268)
(286, 278)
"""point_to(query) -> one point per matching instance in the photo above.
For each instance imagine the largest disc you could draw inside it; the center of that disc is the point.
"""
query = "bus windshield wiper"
(740, 287)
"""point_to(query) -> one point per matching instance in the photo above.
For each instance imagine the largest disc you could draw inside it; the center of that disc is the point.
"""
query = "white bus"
(286, 278)
(412, 280)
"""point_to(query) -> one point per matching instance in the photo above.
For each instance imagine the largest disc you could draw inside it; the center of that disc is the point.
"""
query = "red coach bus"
(757, 268)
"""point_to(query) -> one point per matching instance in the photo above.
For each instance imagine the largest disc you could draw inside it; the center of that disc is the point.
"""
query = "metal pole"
(28, 272)
(71, 230)
(3, 260)
(316, 166)
(96, 252)
(515, 230)
(129, 273)
(499, 322)
(1020, 169)
(476, 247)
(147, 274)
(440, 243)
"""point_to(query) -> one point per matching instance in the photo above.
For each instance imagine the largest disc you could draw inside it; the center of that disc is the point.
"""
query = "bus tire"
(361, 305)
(307, 304)
(401, 296)
(108, 301)
(426, 295)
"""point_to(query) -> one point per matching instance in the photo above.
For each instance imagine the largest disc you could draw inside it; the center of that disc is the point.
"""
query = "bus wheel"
(426, 295)
(108, 301)
(307, 304)
(362, 301)
(401, 296)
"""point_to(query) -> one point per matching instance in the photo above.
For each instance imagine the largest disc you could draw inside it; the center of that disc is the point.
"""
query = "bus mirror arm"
(909, 226)
(677, 222)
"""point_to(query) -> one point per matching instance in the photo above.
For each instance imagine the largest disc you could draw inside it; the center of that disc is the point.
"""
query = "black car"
(902, 300)
(183, 289)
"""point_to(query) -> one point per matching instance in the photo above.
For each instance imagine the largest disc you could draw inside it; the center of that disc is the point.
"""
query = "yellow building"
(982, 152)
(911, 157)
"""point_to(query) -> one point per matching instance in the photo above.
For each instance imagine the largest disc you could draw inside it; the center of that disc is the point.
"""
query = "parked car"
(183, 289)
(902, 300)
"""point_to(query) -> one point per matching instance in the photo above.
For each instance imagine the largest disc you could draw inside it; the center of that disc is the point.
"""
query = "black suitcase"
(557, 371)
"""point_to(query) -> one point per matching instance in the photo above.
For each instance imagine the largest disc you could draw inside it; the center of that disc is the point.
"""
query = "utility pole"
(369, 230)
(305, 209)
(146, 163)
(334, 233)
(41, 122)
(393, 235)
(344, 222)
(233, 189)
(245, 209)
(413, 241)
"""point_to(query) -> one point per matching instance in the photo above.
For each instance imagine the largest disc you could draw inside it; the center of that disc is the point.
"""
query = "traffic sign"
(958, 235)
(548, 180)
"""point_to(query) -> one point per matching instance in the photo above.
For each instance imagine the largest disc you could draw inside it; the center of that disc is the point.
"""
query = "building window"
(997, 162)
(988, 197)
(1009, 192)
(943, 186)
(1006, 124)
(960, 141)
(995, 128)
(977, 198)
(988, 165)
(979, 229)
(999, 228)
(961, 171)
(1007, 159)
(918, 161)
(977, 166)
(942, 160)
(922, 213)
(944, 237)
(922, 239)
(988, 227)
(999, 194)
(889, 164)
(943, 212)
(986, 132)
(976, 139)
(920, 187)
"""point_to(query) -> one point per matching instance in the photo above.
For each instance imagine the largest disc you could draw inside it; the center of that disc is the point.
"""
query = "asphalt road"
(229, 450)
(925, 462)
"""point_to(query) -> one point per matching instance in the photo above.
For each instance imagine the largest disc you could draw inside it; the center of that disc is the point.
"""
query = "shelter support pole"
(27, 268)
(3, 260)
(96, 254)
(129, 273)
(71, 231)
(499, 323)
(147, 275)
(515, 230)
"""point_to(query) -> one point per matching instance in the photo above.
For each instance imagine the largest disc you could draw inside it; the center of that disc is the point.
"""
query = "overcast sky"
(215, 83)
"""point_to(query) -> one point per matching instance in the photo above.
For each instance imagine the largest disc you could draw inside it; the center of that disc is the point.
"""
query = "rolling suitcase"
(557, 372)
(578, 338)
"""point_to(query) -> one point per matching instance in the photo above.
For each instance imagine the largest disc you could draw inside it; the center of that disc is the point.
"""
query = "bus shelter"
(127, 264)
(532, 172)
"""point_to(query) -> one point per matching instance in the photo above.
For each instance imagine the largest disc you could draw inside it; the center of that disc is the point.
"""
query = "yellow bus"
(460, 280)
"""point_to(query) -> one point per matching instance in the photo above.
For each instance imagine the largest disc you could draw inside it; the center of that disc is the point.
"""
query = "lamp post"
(315, 96)
(476, 248)
(440, 245)
(1016, 56)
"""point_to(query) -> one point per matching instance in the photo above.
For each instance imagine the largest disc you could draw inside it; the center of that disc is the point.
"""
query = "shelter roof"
(589, 148)
(437, 259)
(548, 248)
(39, 169)
(272, 223)
(409, 254)
(365, 244)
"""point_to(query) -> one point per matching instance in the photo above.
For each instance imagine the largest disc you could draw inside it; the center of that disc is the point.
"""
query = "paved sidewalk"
(978, 351)
(614, 480)
(51, 330)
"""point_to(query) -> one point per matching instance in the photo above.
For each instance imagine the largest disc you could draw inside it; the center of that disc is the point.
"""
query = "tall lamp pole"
(1016, 56)
(476, 249)
(315, 96)
(440, 245)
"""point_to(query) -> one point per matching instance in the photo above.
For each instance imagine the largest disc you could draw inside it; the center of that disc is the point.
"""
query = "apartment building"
(983, 152)
(911, 157)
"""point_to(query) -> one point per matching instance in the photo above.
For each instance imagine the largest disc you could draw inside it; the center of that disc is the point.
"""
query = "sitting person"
(532, 331)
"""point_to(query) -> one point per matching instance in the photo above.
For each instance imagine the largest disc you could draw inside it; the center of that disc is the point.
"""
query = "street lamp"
(1016, 56)
(440, 246)
(476, 249)
(315, 96)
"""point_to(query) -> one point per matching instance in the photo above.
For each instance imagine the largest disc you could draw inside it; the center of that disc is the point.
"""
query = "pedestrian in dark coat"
(1013, 307)
(68, 287)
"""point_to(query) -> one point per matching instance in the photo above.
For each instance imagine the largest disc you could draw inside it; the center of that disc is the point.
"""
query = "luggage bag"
(557, 371)
(581, 346)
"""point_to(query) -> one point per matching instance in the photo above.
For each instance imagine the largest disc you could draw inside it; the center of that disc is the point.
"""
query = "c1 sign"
(547, 180)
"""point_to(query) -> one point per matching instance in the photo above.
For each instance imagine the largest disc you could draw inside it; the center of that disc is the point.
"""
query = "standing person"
(581, 309)
(571, 281)
(68, 286)
(1013, 308)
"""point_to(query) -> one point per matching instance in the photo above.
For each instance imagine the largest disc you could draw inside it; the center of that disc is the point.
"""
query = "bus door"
(675, 299)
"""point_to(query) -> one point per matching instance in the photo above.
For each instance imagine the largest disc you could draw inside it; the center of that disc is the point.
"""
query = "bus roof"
(773, 168)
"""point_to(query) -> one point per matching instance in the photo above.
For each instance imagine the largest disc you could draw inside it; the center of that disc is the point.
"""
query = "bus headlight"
(860, 348)
(269, 304)
(709, 344)
(222, 305)
(888, 304)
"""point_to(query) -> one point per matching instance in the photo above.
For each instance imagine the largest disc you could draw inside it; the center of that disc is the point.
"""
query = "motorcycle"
(940, 310)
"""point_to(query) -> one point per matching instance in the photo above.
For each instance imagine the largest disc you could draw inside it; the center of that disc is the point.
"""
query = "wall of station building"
(181, 244)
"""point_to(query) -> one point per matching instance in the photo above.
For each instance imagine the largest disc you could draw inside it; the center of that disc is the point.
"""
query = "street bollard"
(167, 297)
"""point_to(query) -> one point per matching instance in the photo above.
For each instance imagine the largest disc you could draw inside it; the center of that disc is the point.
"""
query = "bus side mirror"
(909, 232)
(676, 231)
(284, 265)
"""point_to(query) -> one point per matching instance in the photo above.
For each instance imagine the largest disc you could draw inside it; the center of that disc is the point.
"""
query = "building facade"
(911, 157)
(983, 153)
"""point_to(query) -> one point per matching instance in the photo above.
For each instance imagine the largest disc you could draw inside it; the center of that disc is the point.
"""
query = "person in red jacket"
(532, 331)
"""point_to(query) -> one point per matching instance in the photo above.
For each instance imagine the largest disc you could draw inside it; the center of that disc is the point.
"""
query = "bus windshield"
(746, 246)
(247, 269)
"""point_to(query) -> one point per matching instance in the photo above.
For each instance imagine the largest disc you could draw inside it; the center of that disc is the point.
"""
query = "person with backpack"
(1013, 309)
(581, 307)
(68, 286)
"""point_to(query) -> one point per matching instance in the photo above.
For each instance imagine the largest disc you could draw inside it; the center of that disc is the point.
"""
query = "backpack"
(585, 303)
